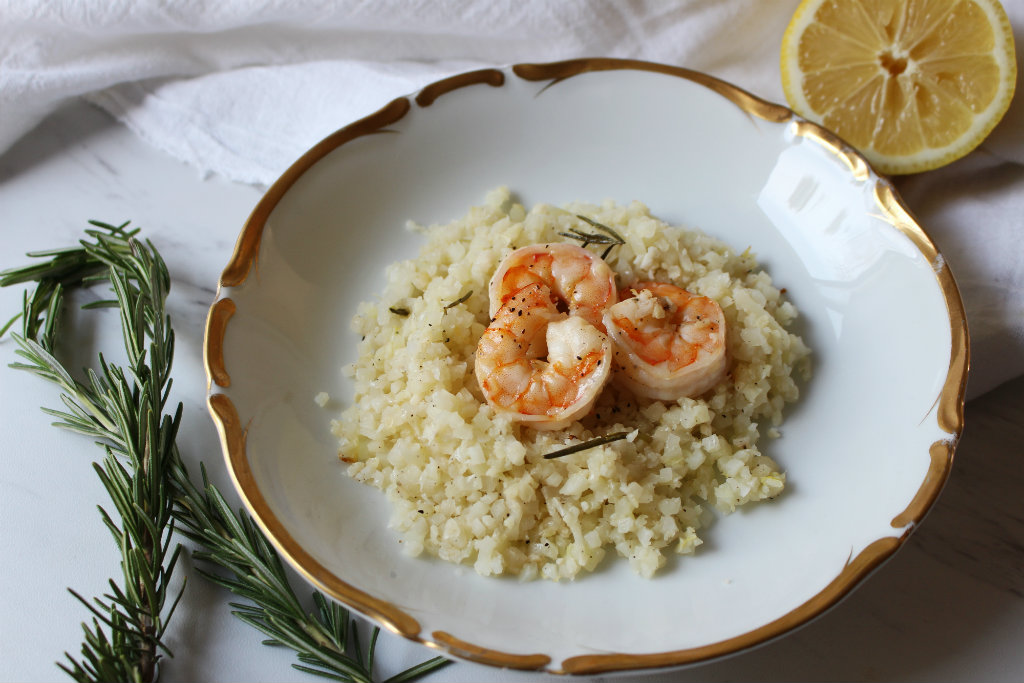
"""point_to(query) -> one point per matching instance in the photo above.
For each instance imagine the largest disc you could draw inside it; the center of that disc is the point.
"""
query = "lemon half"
(912, 84)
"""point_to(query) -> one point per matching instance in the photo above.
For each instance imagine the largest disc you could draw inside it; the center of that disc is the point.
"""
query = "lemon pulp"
(912, 84)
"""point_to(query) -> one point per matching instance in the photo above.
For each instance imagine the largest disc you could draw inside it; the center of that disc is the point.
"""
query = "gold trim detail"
(559, 71)
(245, 258)
(858, 166)
(482, 655)
(429, 94)
(858, 568)
(941, 453)
(246, 253)
(213, 350)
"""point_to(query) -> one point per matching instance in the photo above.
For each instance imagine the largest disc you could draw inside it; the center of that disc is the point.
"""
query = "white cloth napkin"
(241, 89)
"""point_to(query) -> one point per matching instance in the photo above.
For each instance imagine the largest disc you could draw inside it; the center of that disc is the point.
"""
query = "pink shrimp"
(669, 343)
(538, 365)
(582, 282)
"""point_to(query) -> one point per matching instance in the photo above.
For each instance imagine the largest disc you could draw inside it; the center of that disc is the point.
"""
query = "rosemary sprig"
(124, 409)
(149, 484)
(587, 445)
(610, 237)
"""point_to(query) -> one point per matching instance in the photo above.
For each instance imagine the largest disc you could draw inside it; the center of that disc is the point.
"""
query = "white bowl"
(866, 450)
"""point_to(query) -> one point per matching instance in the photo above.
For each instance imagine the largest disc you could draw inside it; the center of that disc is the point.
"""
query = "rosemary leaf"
(9, 324)
(461, 299)
(586, 445)
(588, 238)
(414, 672)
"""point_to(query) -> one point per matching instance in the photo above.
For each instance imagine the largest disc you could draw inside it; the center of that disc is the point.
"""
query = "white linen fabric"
(241, 88)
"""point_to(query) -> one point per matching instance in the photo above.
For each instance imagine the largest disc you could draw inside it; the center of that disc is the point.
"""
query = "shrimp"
(582, 282)
(669, 343)
(538, 365)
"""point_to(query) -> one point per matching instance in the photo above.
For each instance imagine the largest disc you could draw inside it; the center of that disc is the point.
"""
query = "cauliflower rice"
(469, 486)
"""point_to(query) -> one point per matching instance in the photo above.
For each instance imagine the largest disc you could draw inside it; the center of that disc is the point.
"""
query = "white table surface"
(948, 606)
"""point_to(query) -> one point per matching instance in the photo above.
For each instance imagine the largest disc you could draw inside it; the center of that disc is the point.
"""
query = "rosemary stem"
(586, 445)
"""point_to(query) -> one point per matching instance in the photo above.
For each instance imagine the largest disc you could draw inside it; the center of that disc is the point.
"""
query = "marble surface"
(948, 606)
